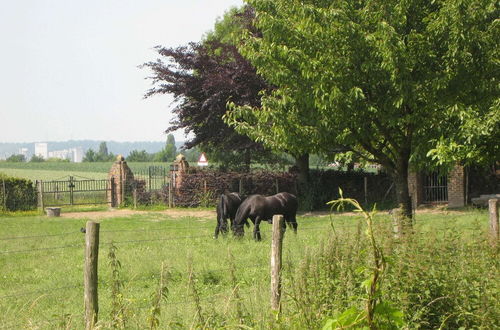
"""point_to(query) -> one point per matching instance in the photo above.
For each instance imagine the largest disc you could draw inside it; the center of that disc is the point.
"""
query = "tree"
(168, 153)
(103, 155)
(103, 150)
(139, 156)
(36, 159)
(203, 77)
(16, 159)
(382, 79)
(90, 156)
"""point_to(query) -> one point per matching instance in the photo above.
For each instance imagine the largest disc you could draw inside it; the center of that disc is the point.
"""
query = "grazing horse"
(258, 208)
(227, 205)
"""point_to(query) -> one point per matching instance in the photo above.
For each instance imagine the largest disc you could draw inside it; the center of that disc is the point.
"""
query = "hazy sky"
(68, 69)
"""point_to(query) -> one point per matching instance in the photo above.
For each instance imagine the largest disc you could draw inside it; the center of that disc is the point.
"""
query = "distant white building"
(73, 154)
(77, 154)
(41, 150)
(24, 152)
(61, 154)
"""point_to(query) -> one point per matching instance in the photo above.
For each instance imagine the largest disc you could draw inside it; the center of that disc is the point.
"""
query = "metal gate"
(74, 192)
(154, 177)
(435, 188)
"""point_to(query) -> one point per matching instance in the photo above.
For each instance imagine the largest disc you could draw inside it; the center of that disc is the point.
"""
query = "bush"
(17, 194)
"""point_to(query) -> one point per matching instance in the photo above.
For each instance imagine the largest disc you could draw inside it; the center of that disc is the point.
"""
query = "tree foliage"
(168, 153)
(383, 79)
(101, 156)
(16, 159)
(203, 77)
(139, 156)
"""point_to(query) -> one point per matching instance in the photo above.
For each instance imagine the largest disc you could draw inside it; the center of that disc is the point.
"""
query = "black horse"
(227, 205)
(258, 208)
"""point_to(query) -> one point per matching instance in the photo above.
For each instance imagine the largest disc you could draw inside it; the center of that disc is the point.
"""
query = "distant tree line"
(166, 154)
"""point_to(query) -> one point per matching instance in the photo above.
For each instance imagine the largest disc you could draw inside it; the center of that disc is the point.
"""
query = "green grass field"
(57, 170)
(42, 269)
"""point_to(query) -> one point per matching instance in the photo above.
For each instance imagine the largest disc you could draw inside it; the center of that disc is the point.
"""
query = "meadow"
(444, 275)
(59, 170)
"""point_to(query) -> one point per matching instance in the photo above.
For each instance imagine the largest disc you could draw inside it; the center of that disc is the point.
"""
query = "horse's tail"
(223, 201)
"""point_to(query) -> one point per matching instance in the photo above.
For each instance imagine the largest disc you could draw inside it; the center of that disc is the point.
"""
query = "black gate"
(435, 188)
(154, 177)
(74, 192)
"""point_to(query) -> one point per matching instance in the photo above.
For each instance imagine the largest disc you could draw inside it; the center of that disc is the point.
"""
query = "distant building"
(77, 154)
(41, 150)
(61, 154)
(74, 155)
(24, 152)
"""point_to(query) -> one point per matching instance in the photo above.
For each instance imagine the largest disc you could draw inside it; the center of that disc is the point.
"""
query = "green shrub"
(17, 194)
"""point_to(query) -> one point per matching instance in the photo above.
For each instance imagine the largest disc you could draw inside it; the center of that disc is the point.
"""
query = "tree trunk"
(302, 163)
(400, 177)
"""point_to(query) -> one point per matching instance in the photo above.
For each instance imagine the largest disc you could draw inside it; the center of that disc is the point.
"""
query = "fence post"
(276, 252)
(170, 194)
(71, 189)
(494, 221)
(90, 274)
(134, 194)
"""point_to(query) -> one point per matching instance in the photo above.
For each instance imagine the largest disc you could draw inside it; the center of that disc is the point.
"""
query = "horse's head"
(238, 229)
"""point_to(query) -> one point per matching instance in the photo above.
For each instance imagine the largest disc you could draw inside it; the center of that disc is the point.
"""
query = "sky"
(69, 69)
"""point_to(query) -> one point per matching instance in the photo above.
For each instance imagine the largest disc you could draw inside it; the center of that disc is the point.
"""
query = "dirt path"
(115, 213)
(208, 214)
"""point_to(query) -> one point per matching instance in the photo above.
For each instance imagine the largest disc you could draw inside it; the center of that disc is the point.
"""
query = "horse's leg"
(293, 223)
(224, 226)
(256, 229)
(217, 228)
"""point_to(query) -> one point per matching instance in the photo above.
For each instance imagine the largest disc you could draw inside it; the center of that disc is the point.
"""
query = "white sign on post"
(203, 161)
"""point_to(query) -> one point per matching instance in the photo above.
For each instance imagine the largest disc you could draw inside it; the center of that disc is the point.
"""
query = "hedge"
(17, 194)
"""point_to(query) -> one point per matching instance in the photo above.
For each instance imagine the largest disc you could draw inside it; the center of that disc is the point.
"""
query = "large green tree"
(380, 78)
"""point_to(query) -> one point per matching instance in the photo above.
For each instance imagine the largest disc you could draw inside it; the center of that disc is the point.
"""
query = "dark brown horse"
(258, 208)
(227, 205)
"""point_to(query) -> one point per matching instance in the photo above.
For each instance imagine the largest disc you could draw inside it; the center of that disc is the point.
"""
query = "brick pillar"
(415, 188)
(122, 180)
(456, 187)
(179, 167)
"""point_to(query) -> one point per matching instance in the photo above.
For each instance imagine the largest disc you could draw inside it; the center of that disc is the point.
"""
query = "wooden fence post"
(276, 252)
(134, 195)
(90, 274)
(170, 194)
(494, 221)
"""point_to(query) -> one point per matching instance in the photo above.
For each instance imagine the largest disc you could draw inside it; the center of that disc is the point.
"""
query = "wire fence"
(321, 226)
